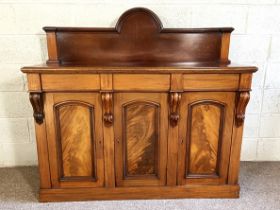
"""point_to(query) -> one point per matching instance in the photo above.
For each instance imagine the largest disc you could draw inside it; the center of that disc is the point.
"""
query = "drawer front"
(146, 82)
(68, 82)
(197, 82)
(139, 82)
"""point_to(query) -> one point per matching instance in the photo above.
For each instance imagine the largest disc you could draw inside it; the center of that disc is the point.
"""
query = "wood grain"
(198, 127)
(176, 82)
(43, 155)
(106, 82)
(242, 101)
(75, 127)
(141, 82)
(225, 47)
(107, 103)
(67, 82)
(137, 37)
(141, 138)
(234, 165)
(245, 82)
(52, 48)
(125, 76)
(36, 100)
(193, 191)
(186, 68)
(173, 140)
(34, 82)
(206, 119)
(75, 139)
(174, 101)
(211, 82)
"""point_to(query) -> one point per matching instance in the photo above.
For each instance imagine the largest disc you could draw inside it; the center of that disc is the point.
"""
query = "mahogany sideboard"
(138, 111)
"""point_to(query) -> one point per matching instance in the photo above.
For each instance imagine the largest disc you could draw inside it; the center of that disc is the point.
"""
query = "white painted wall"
(256, 40)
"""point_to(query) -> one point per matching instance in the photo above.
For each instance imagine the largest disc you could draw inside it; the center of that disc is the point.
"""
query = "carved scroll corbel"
(242, 102)
(107, 102)
(36, 100)
(175, 99)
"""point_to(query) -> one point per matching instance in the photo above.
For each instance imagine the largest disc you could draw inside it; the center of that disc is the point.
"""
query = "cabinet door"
(141, 125)
(205, 131)
(75, 142)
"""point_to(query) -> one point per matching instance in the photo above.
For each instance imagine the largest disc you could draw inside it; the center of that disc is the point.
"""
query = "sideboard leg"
(234, 165)
(36, 99)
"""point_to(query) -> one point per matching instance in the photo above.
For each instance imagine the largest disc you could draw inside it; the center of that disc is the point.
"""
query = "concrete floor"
(259, 181)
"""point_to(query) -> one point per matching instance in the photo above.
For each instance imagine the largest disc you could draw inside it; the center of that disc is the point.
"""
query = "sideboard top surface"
(143, 68)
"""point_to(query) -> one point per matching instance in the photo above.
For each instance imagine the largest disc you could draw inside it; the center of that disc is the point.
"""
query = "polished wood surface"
(138, 111)
(141, 124)
(142, 82)
(175, 99)
(43, 156)
(208, 82)
(34, 82)
(205, 123)
(75, 121)
(36, 100)
(244, 85)
(75, 139)
(121, 193)
(108, 132)
(52, 48)
(206, 131)
(140, 129)
(138, 37)
(193, 191)
(145, 68)
(176, 89)
(53, 82)
(243, 99)
(225, 46)
(107, 101)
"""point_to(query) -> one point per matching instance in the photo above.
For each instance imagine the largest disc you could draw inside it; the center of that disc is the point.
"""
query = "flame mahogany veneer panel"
(74, 139)
(141, 138)
(204, 138)
(140, 128)
(75, 136)
(206, 127)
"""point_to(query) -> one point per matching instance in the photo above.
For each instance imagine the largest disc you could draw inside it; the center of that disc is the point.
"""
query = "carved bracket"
(107, 102)
(242, 102)
(175, 99)
(36, 100)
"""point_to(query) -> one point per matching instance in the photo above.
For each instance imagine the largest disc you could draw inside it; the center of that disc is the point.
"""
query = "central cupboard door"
(140, 126)
(75, 141)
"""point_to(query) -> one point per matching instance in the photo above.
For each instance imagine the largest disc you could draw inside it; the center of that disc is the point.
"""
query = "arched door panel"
(205, 130)
(75, 139)
(140, 126)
